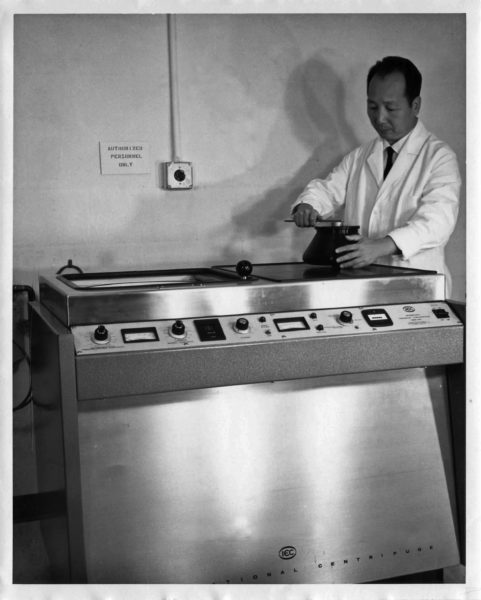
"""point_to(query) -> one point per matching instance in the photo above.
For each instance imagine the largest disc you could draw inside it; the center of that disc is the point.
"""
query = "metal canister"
(329, 236)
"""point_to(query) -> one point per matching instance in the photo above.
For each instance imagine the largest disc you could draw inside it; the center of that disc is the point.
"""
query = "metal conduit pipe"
(173, 87)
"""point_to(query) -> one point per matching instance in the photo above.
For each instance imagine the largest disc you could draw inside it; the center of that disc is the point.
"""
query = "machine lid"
(301, 271)
(166, 278)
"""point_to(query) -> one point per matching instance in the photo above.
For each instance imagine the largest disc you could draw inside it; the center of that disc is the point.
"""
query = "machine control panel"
(170, 334)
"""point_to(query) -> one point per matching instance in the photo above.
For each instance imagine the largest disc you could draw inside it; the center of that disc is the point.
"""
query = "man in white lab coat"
(405, 199)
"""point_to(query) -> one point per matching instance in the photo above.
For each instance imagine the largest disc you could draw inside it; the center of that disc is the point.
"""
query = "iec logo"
(408, 308)
(287, 552)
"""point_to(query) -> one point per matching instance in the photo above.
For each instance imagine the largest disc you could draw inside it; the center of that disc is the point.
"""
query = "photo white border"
(472, 588)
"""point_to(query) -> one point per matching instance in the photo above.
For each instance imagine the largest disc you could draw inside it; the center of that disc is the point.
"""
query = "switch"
(209, 330)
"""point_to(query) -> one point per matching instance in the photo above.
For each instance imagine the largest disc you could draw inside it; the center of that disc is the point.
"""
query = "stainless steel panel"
(118, 374)
(338, 479)
(75, 307)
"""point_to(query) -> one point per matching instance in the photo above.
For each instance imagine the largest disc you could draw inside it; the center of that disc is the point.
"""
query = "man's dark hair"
(397, 64)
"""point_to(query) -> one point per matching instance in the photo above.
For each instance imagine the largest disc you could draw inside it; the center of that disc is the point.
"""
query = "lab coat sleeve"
(329, 194)
(434, 220)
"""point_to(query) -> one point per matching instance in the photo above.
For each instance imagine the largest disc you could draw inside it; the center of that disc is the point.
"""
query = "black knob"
(242, 324)
(313, 315)
(244, 268)
(101, 333)
(320, 327)
(345, 316)
(178, 328)
(262, 319)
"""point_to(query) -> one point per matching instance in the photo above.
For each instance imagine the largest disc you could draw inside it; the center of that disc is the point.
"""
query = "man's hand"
(305, 215)
(363, 251)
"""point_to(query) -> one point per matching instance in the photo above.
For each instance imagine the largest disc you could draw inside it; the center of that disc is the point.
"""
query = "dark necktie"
(390, 154)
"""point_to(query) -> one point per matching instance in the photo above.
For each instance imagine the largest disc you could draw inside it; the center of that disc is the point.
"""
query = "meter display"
(376, 317)
(291, 324)
(143, 334)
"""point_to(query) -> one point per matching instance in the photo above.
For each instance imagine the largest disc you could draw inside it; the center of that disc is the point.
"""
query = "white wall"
(266, 103)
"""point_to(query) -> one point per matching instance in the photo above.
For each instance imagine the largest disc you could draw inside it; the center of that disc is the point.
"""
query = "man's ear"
(417, 105)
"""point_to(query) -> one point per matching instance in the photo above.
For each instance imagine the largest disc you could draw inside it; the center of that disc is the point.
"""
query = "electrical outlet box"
(178, 176)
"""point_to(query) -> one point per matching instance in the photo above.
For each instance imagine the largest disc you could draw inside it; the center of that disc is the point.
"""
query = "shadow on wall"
(315, 116)
(315, 107)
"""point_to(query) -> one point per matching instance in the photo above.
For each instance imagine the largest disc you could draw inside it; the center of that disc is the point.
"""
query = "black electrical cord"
(20, 289)
(28, 397)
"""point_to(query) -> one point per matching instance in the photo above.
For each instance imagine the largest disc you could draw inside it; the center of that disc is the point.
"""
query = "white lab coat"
(417, 204)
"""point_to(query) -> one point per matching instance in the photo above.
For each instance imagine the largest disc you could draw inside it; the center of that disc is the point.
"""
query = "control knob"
(241, 325)
(345, 317)
(101, 335)
(178, 329)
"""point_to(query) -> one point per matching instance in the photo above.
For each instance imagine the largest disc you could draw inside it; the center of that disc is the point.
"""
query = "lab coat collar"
(410, 148)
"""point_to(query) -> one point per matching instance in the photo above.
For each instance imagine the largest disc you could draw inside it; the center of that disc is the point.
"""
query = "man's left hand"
(363, 251)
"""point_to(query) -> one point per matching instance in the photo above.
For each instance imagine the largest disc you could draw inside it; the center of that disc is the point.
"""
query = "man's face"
(388, 109)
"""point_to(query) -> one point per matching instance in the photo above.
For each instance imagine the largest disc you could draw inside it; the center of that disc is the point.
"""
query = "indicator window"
(209, 330)
(140, 334)
(376, 317)
(291, 324)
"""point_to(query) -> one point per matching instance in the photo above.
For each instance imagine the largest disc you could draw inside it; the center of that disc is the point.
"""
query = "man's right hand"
(305, 215)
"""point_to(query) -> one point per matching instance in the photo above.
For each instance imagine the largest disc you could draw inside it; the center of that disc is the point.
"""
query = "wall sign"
(124, 158)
